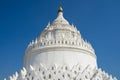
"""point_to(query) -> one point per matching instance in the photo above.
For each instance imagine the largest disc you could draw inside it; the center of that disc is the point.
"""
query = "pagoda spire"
(60, 9)
(60, 19)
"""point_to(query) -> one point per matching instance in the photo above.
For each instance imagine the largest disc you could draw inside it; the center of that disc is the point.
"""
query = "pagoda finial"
(60, 9)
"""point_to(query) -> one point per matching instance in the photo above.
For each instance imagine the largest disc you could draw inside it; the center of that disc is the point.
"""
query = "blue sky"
(21, 21)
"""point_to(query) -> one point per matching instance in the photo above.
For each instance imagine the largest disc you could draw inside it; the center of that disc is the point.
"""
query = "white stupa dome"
(60, 53)
(60, 43)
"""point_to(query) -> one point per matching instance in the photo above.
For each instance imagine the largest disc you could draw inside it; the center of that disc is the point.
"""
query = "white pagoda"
(60, 53)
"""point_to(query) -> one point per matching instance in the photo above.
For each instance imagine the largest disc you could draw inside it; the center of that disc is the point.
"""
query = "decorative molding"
(54, 72)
